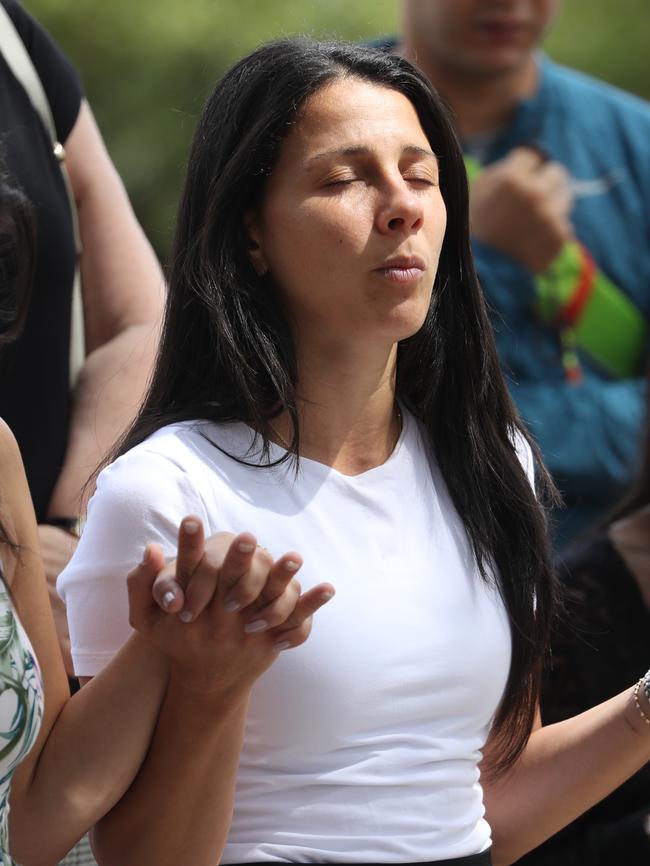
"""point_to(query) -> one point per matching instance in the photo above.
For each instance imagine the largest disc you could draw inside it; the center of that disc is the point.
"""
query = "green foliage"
(147, 66)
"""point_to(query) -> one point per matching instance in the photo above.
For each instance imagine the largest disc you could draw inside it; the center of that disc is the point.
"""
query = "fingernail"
(191, 527)
(292, 565)
(168, 598)
(281, 645)
(231, 606)
(327, 595)
(146, 556)
(185, 616)
(245, 547)
(258, 625)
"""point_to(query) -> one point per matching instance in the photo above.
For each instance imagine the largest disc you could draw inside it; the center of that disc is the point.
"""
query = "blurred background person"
(63, 433)
(560, 221)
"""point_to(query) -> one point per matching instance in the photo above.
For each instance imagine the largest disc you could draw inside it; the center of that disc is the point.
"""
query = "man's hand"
(57, 546)
(521, 206)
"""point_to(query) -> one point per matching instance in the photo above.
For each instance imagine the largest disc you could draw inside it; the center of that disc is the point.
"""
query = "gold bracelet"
(636, 701)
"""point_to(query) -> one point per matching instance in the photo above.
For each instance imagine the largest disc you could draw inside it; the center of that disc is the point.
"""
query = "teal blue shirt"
(590, 434)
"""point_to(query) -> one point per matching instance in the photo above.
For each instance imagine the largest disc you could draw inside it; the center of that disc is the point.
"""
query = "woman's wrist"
(640, 706)
(204, 689)
(72, 524)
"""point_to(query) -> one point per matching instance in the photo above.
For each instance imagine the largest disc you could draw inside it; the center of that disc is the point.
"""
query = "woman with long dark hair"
(327, 379)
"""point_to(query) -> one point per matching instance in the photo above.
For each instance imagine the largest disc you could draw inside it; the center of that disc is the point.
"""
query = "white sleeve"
(141, 498)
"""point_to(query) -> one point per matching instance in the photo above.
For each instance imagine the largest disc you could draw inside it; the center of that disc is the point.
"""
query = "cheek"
(437, 225)
(546, 13)
(313, 238)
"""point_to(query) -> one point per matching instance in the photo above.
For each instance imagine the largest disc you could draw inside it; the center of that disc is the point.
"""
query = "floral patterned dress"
(21, 705)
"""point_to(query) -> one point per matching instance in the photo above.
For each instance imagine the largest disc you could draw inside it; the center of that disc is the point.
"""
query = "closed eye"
(420, 179)
(342, 181)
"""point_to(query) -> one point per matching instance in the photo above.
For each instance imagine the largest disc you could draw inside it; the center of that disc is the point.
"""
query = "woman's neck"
(348, 415)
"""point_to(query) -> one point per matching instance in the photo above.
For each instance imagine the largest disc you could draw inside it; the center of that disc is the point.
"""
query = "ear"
(253, 235)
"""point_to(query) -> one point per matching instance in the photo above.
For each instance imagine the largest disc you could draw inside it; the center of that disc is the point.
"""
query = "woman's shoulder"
(179, 459)
(9, 451)
(15, 503)
(183, 444)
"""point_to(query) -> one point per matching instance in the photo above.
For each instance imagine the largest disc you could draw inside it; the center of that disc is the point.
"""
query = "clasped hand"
(223, 609)
(522, 206)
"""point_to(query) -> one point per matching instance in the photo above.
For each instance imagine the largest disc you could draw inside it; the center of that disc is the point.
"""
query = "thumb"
(525, 160)
(139, 583)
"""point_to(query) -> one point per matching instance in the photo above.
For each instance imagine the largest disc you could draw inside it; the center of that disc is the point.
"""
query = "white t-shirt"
(361, 745)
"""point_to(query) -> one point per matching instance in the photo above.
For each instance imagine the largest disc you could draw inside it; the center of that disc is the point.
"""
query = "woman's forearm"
(179, 808)
(92, 753)
(566, 769)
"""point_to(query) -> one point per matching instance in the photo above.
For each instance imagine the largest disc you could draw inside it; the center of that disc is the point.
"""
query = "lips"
(402, 269)
(501, 27)
(402, 262)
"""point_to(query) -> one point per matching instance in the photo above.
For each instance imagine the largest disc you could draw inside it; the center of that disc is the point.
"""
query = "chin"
(497, 61)
(401, 327)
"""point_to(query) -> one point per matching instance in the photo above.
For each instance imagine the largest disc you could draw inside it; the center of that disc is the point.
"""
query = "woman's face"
(353, 220)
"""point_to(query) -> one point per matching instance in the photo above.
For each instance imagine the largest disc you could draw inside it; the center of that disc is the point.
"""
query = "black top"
(602, 646)
(34, 372)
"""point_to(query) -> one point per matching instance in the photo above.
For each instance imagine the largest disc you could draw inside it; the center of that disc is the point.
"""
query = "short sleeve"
(141, 498)
(58, 76)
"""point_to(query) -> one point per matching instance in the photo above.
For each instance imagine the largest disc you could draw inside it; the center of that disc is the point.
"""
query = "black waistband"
(482, 859)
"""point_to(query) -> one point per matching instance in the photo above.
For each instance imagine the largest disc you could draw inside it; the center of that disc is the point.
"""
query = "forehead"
(350, 112)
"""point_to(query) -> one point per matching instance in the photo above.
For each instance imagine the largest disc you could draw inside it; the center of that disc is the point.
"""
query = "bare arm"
(123, 290)
(180, 807)
(71, 776)
(565, 769)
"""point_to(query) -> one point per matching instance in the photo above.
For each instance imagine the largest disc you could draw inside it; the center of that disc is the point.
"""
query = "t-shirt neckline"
(277, 453)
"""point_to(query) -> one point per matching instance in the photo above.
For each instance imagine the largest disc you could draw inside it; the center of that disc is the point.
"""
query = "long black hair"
(17, 245)
(17, 248)
(227, 352)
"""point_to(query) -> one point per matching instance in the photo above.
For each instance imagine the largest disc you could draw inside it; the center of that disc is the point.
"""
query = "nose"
(399, 211)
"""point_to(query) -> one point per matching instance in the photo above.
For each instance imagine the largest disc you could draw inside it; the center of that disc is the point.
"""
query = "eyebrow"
(360, 150)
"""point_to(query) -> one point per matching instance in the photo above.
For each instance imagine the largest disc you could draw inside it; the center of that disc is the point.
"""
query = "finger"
(276, 613)
(306, 606)
(292, 638)
(554, 174)
(280, 576)
(191, 547)
(140, 580)
(237, 563)
(169, 588)
(524, 159)
(201, 590)
(555, 182)
(297, 628)
(247, 591)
